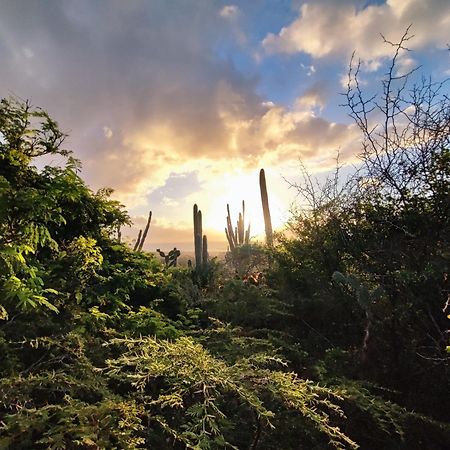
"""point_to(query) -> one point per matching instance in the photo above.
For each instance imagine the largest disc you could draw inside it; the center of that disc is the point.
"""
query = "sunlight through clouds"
(146, 91)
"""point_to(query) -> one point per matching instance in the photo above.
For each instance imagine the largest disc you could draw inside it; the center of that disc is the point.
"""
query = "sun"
(234, 190)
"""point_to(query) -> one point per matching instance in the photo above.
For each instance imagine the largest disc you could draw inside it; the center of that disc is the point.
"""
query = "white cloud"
(229, 11)
(313, 98)
(327, 27)
(107, 132)
(310, 70)
(170, 202)
(405, 64)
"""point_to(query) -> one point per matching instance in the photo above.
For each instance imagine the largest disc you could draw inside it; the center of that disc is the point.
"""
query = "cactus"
(171, 258)
(205, 251)
(144, 234)
(198, 233)
(229, 231)
(141, 236)
(265, 206)
(200, 241)
(138, 240)
(239, 235)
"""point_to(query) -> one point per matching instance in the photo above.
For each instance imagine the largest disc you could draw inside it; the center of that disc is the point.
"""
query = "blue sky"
(176, 102)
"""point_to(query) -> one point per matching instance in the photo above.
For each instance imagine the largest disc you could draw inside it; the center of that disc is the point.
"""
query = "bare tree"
(406, 130)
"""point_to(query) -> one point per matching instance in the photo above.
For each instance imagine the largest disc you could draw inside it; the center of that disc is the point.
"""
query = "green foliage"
(246, 259)
(201, 385)
(364, 295)
(241, 302)
(105, 347)
(382, 237)
(44, 216)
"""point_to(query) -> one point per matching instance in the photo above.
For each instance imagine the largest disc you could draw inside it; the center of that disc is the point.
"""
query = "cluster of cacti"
(142, 236)
(200, 240)
(171, 258)
(265, 206)
(239, 235)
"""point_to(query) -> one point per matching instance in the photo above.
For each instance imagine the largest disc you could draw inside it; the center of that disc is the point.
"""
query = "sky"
(176, 102)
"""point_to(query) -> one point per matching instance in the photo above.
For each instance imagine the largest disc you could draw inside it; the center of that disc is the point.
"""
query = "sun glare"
(234, 190)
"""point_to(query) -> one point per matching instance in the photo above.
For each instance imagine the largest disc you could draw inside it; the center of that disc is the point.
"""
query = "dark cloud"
(140, 89)
(123, 63)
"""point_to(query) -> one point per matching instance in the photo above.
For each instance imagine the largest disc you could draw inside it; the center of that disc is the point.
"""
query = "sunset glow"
(172, 106)
(235, 189)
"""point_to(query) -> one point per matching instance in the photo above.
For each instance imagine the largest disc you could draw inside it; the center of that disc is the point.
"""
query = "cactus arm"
(247, 235)
(230, 240)
(241, 229)
(138, 240)
(205, 251)
(230, 227)
(144, 234)
(265, 206)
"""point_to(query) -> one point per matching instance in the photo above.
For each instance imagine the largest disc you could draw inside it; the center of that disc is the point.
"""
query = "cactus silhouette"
(200, 240)
(205, 251)
(239, 235)
(265, 206)
(171, 258)
(198, 233)
(144, 234)
(138, 240)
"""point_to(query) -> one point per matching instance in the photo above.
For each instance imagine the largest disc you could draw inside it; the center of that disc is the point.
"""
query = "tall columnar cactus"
(239, 235)
(265, 206)
(229, 231)
(144, 234)
(138, 240)
(205, 251)
(198, 236)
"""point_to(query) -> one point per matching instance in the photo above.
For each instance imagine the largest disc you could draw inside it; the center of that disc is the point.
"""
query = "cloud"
(176, 187)
(314, 97)
(310, 70)
(150, 107)
(107, 132)
(329, 28)
(229, 11)
(405, 65)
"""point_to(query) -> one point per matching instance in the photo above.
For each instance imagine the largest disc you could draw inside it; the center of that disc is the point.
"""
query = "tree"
(403, 188)
(406, 135)
(46, 215)
(389, 228)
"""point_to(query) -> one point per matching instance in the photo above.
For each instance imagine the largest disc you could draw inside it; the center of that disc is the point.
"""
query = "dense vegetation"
(335, 337)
